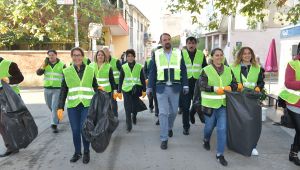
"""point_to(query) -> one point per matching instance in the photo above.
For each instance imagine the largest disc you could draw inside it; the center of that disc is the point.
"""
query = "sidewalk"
(140, 149)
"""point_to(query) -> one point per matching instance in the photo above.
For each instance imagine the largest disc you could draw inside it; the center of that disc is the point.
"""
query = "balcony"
(117, 24)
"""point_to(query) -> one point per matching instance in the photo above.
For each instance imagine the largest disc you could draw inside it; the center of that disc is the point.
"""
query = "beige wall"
(120, 44)
(30, 61)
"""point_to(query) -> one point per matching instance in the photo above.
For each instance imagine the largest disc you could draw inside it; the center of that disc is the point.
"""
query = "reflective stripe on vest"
(212, 99)
(102, 75)
(131, 78)
(4, 72)
(252, 77)
(116, 72)
(80, 91)
(289, 95)
(162, 64)
(193, 70)
(53, 76)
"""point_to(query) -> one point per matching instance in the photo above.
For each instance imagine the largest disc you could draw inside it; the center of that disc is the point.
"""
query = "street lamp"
(76, 24)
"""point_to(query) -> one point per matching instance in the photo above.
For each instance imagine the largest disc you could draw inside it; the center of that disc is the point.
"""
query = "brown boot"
(293, 156)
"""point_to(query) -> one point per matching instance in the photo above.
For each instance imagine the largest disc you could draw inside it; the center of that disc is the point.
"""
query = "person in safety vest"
(194, 61)
(116, 67)
(131, 76)
(52, 69)
(104, 74)
(291, 95)
(168, 75)
(78, 87)
(11, 74)
(214, 80)
(248, 74)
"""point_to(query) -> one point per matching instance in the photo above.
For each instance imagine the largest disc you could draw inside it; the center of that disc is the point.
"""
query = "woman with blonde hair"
(248, 73)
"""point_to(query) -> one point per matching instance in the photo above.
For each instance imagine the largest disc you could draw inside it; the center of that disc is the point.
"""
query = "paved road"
(140, 149)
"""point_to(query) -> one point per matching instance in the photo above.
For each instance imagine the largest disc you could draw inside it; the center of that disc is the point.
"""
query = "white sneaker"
(254, 152)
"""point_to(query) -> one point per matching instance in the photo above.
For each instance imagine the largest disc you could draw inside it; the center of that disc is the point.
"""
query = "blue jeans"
(218, 119)
(168, 106)
(77, 116)
(52, 99)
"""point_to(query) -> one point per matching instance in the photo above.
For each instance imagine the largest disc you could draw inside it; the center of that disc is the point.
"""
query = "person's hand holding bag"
(60, 114)
(144, 94)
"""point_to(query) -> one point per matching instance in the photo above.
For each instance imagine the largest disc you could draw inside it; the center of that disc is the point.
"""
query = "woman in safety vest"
(104, 74)
(78, 87)
(131, 75)
(248, 74)
(292, 97)
(213, 81)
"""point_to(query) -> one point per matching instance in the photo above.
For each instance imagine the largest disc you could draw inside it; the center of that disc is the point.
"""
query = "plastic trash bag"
(18, 128)
(243, 121)
(100, 122)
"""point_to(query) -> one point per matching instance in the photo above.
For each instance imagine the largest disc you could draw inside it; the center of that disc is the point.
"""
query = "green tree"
(36, 21)
(254, 9)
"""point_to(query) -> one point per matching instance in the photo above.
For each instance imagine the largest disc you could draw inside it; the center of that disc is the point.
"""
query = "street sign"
(95, 30)
(64, 2)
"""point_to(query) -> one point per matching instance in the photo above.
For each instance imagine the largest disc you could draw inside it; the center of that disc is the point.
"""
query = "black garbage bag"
(139, 105)
(100, 122)
(18, 128)
(243, 121)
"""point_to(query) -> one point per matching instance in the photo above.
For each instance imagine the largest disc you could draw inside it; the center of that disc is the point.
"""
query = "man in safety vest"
(194, 60)
(52, 69)
(11, 74)
(168, 75)
(116, 67)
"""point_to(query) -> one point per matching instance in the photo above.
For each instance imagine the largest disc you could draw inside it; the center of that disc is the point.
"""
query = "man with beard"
(168, 74)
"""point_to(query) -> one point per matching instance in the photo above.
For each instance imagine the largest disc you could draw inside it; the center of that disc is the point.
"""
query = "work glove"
(100, 88)
(60, 114)
(257, 89)
(240, 87)
(143, 94)
(5, 79)
(227, 88)
(146, 82)
(219, 90)
(120, 96)
(115, 95)
(185, 90)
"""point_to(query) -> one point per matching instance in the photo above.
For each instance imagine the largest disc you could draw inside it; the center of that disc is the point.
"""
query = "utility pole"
(76, 24)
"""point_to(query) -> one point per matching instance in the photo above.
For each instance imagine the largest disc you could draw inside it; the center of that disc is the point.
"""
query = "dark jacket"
(16, 75)
(161, 85)
(202, 85)
(122, 75)
(65, 89)
(41, 71)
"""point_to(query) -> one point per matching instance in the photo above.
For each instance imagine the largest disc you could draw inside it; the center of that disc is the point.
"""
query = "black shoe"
(134, 119)
(76, 157)
(86, 157)
(157, 122)
(293, 156)
(7, 153)
(54, 128)
(164, 145)
(206, 145)
(170, 133)
(186, 131)
(192, 118)
(222, 160)
(129, 128)
(151, 110)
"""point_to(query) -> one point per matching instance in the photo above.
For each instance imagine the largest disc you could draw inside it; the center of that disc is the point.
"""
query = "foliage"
(35, 21)
(175, 41)
(255, 9)
(236, 49)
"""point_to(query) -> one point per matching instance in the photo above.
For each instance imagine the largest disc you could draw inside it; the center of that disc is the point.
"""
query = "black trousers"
(153, 99)
(296, 121)
(129, 101)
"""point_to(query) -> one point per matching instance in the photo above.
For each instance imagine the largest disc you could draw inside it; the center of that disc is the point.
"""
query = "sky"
(152, 10)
